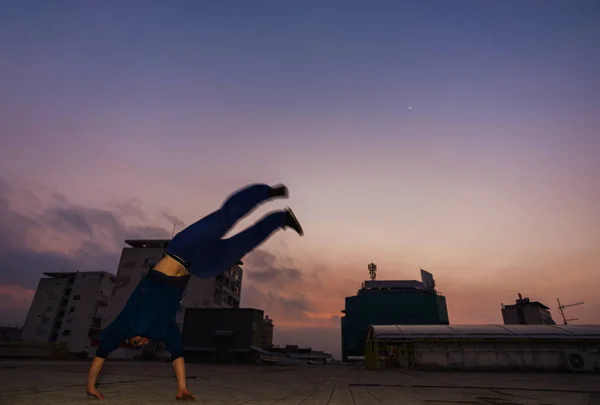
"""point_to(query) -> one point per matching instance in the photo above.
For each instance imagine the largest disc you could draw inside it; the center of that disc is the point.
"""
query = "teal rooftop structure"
(389, 302)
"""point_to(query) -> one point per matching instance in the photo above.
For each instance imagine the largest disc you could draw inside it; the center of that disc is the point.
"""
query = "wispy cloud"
(303, 294)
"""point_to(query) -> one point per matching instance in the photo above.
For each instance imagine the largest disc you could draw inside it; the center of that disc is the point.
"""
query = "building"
(67, 308)
(267, 333)
(484, 347)
(526, 312)
(223, 291)
(224, 335)
(10, 333)
(390, 302)
(292, 354)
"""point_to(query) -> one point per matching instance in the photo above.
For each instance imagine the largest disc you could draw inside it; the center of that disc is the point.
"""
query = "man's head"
(138, 341)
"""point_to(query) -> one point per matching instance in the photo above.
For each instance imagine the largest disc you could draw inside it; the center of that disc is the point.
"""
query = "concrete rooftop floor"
(57, 383)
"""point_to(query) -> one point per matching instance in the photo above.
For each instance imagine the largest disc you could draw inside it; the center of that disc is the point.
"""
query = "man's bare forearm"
(179, 367)
(94, 372)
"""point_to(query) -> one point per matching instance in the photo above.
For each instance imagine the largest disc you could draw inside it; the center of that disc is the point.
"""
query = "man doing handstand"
(198, 250)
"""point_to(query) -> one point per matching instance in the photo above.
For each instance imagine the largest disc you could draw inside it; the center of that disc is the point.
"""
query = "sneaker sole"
(288, 209)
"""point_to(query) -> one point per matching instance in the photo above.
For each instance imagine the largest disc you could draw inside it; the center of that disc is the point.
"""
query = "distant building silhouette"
(267, 332)
(10, 333)
(526, 312)
(226, 335)
(68, 308)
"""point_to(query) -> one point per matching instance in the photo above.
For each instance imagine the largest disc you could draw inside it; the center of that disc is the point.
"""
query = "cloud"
(57, 235)
(304, 304)
(303, 294)
(261, 267)
(131, 208)
(173, 220)
(14, 301)
(68, 219)
(293, 306)
(15, 296)
(270, 274)
(54, 234)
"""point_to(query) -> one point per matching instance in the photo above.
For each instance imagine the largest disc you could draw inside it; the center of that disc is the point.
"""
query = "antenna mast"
(162, 251)
(372, 271)
(561, 308)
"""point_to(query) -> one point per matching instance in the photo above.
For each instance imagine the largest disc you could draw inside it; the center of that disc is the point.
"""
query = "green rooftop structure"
(390, 302)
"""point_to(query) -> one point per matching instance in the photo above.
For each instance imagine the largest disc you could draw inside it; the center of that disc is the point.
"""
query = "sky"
(120, 119)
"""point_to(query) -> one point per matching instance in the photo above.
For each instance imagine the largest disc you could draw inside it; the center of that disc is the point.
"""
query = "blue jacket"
(150, 312)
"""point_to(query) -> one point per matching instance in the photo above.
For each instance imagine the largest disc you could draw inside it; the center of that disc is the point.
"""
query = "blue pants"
(201, 245)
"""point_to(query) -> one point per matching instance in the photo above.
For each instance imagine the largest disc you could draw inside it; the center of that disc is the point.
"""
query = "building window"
(76, 297)
(66, 332)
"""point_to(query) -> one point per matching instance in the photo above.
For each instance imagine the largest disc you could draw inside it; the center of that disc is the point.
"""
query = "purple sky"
(149, 110)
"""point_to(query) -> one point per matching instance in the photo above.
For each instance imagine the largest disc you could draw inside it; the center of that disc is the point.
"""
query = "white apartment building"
(139, 257)
(68, 308)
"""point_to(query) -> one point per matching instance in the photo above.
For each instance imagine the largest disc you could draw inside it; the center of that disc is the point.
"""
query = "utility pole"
(561, 308)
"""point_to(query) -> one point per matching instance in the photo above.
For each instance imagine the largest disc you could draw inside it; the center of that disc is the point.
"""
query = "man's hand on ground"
(93, 392)
(185, 394)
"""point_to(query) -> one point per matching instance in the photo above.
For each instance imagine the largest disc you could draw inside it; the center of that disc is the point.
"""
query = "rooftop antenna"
(372, 271)
(561, 308)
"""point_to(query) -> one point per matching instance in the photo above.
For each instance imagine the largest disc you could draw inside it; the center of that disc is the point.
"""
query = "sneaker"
(292, 222)
(279, 191)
